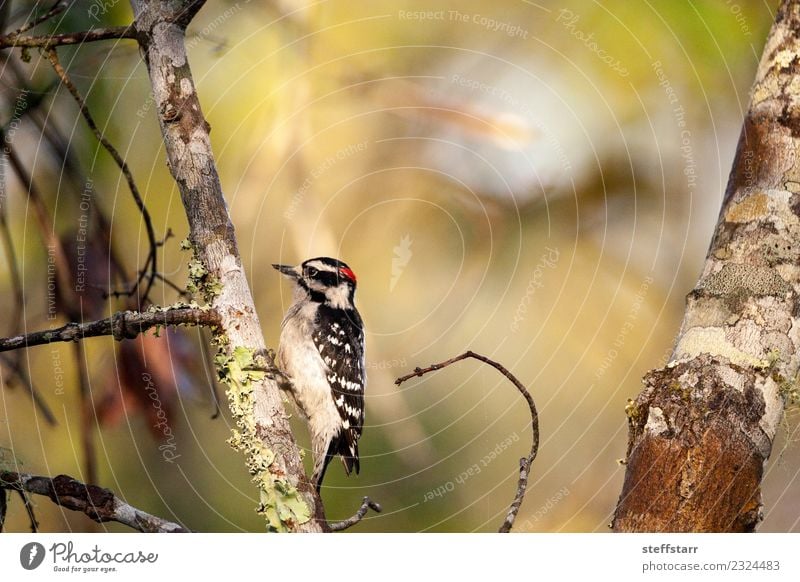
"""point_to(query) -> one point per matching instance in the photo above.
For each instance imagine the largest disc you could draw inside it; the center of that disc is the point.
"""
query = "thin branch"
(26, 502)
(15, 363)
(57, 8)
(524, 463)
(151, 261)
(17, 367)
(98, 503)
(366, 505)
(189, 11)
(208, 368)
(86, 415)
(13, 269)
(5, 8)
(121, 325)
(174, 286)
(69, 164)
(40, 211)
(3, 508)
(48, 41)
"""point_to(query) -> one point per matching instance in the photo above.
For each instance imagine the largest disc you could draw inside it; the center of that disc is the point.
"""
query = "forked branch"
(366, 505)
(121, 325)
(47, 41)
(98, 503)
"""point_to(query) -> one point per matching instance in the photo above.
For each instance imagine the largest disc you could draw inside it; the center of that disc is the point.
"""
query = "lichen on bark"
(279, 501)
(273, 458)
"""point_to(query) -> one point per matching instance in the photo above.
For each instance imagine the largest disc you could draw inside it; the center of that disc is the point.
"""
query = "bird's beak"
(288, 271)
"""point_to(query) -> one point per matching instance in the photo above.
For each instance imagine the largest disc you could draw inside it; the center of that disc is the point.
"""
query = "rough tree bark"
(702, 428)
(98, 503)
(287, 499)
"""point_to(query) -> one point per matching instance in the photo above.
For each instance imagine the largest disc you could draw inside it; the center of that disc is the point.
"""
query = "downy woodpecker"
(321, 353)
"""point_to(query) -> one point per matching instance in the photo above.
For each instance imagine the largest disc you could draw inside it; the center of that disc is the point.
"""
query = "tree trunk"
(702, 429)
(287, 500)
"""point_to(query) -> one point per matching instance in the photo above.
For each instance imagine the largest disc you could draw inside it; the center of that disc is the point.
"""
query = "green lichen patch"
(279, 501)
(202, 282)
(632, 410)
(788, 388)
(197, 272)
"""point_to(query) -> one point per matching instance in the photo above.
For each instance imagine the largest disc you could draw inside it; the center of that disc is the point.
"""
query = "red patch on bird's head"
(348, 273)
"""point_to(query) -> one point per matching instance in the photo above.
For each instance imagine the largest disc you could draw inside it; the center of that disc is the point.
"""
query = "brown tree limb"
(524, 463)
(70, 38)
(366, 505)
(98, 503)
(121, 325)
(151, 265)
(702, 429)
(288, 501)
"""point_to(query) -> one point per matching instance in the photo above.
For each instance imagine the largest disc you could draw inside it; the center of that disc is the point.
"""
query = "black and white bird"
(321, 353)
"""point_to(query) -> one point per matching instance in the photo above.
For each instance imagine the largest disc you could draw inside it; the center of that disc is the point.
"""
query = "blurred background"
(534, 181)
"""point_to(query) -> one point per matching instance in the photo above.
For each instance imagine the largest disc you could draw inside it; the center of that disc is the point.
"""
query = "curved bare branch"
(524, 463)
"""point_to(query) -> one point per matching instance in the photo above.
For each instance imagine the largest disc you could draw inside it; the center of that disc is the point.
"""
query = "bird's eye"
(312, 272)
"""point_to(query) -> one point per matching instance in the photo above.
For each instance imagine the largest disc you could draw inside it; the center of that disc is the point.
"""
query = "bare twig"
(26, 502)
(524, 463)
(5, 8)
(121, 325)
(210, 373)
(69, 164)
(151, 261)
(97, 503)
(40, 211)
(57, 8)
(175, 287)
(3, 508)
(366, 505)
(16, 365)
(49, 41)
(190, 9)
(13, 269)
(87, 415)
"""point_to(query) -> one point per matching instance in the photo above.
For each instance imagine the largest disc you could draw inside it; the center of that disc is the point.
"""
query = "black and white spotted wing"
(340, 341)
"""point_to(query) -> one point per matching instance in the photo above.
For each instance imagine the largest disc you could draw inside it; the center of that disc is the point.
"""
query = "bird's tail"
(343, 446)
